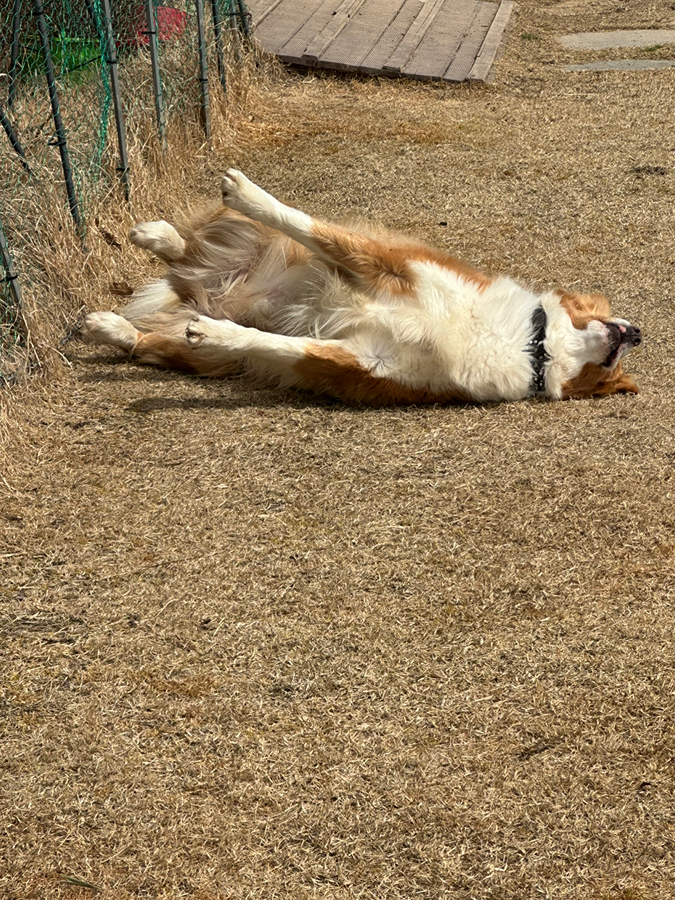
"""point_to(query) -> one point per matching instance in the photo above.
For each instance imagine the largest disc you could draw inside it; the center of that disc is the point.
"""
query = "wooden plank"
(316, 16)
(373, 62)
(488, 52)
(413, 36)
(335, 25)
(438, 46)
(360, 36)
(280, 24)
(448, 39)
(260, 11)
(465, 56)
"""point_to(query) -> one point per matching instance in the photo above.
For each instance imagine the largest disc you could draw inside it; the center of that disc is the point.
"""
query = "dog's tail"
(156, 307)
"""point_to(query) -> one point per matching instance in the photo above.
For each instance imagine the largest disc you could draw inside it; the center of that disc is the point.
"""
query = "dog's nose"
(633, 335)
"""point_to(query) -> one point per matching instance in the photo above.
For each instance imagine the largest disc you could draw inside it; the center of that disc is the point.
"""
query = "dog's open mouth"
(622, 339)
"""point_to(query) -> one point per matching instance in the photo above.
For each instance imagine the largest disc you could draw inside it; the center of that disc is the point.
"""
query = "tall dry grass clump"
(63, 275)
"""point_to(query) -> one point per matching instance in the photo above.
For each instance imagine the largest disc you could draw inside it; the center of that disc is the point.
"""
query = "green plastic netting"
(32, 178)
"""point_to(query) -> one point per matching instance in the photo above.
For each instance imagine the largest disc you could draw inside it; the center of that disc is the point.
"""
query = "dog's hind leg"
(159, 238)
(379, 264)
(157, 349)
(217, 347)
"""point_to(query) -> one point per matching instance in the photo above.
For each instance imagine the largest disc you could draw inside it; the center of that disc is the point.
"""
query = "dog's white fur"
(363, 315)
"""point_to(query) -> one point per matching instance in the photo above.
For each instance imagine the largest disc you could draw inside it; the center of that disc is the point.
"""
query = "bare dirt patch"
(261, 645)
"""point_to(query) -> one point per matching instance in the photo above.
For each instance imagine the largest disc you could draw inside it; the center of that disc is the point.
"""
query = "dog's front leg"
(325, 367)
(374, 264)
(223, 337)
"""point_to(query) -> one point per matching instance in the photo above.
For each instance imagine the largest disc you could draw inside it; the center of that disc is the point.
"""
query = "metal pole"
(243, 15)
(219, 45)
(156, 80)
(234, 30)
(14, 53)
(56, 112)
(11, 278)
(203, 70)
(111, 57)
(13, 139)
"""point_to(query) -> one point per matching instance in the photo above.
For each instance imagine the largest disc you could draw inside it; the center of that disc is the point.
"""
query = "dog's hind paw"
(231, 185)
(159, 238)
(109, 328)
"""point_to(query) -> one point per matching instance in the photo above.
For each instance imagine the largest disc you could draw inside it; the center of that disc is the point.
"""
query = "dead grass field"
(258, 645)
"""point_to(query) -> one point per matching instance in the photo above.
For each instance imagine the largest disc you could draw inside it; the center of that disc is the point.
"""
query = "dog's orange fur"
(595, 381)
(385, 263)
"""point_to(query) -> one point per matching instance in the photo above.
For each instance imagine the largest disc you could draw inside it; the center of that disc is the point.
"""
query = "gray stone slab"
(604, 40)
(627, 65)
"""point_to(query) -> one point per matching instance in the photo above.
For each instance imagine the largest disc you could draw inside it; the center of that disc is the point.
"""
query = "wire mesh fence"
(84, 85)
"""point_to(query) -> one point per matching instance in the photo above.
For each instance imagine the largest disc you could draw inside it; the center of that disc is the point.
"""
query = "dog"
(363, 315)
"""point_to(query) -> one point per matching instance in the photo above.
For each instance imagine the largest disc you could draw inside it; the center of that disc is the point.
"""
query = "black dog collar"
(535, 347)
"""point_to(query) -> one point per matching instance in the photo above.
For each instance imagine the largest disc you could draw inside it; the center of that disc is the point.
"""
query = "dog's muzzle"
(622, 339)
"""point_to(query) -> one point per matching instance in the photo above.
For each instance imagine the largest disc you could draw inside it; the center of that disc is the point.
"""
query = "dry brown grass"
(61, 277)
(259, 645)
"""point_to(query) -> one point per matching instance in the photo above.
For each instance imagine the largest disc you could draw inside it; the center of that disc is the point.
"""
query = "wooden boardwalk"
(442, 40)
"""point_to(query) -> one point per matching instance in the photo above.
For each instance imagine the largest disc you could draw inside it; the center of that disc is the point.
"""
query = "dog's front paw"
(240, 194)
(203, 332)
(109, 328)
(194, 333)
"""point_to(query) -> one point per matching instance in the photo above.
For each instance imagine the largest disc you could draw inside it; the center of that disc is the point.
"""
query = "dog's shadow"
(235, 392)
(147, 405)
(239, 392)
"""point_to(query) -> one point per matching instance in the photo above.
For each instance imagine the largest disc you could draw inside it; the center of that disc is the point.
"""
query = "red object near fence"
(171, 24)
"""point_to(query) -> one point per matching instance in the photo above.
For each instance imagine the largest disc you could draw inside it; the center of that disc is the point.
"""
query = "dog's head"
(602, 343)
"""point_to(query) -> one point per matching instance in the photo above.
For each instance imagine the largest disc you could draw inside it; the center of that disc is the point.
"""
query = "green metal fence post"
(10, 277)
(111, 58)
(13, 139)
(243, 15)
(14, 53)
(56, 113)
(234, 29)
(219, 45)
(203, 70)
(156, 79)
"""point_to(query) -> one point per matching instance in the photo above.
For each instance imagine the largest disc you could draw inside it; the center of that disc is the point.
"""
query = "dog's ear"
(619, 383)
(595, 381)
(624, 384)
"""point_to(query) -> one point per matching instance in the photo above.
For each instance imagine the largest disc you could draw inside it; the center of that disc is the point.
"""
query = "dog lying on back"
(365, 316)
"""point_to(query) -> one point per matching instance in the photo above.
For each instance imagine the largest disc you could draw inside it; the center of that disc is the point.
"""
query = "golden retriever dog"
(363, 315)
